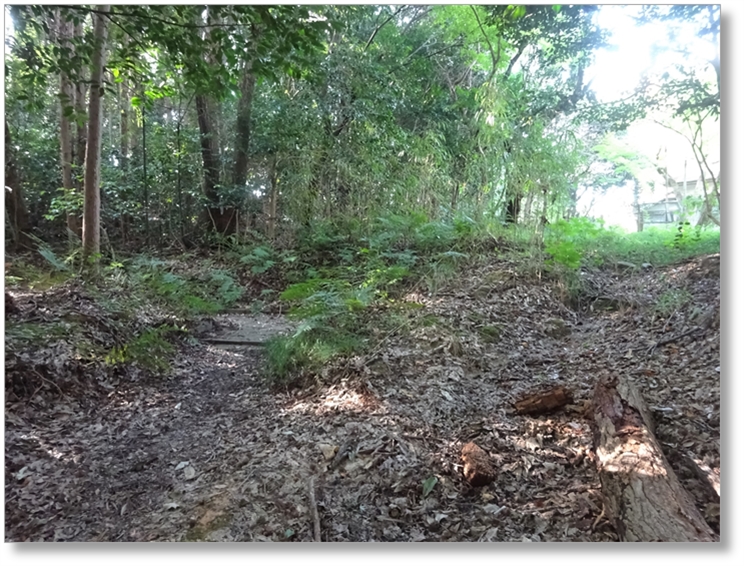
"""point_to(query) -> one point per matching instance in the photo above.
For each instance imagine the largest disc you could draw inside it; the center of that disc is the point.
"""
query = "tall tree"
(92, 189)
(64, 31)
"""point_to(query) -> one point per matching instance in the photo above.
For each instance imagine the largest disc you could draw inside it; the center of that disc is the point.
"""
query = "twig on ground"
(670, 340)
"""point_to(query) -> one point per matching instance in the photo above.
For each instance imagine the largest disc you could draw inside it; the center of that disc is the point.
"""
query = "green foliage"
(260, 259)
(35, 333)
(358, 272)
(657, 246)
(69, 201)
(38, 276)
(150, 350)
(568, 241)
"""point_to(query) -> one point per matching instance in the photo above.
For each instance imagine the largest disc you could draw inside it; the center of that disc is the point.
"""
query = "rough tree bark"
(92, 203)
(645, 499)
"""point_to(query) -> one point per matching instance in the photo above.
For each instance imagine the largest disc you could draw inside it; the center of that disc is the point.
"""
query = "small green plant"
(671, 301)
(260, 259)
(686, 235)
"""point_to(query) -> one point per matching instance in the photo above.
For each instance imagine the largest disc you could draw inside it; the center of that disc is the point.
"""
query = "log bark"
(545, 402)
(645, 499)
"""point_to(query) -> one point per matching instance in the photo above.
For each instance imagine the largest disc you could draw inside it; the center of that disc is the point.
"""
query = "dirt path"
(211, 453)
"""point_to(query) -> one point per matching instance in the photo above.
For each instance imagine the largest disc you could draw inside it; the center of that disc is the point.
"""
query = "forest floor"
(211, 452)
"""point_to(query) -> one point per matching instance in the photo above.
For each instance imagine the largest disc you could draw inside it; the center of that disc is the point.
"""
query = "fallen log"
(545, 402)
(644, 498)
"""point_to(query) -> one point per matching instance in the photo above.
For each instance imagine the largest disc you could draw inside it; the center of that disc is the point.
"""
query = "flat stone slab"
(248, 329)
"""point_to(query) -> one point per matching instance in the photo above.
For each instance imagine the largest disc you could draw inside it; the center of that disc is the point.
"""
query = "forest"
(338, 273)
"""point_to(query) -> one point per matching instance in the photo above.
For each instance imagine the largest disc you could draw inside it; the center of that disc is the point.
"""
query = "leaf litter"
(211, 452)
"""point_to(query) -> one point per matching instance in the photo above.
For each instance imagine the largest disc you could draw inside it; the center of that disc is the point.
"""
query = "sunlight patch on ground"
(337, 398)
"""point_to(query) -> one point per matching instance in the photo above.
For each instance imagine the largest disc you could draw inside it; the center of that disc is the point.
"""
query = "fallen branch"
(314, 511)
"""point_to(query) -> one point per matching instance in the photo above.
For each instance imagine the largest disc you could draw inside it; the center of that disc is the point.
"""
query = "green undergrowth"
(582, 242)
(184, 287)
(345, 281)
(342, 281)
(36, 275)
(339, 273)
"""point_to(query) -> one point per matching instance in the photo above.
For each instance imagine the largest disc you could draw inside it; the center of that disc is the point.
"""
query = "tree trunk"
(66, 108)
(637, 205)
(217, 218)
(92, 203)
(645, 499)
(74, 222)
(124, 126)
(15, 206)
(273, 196)
(243, 127)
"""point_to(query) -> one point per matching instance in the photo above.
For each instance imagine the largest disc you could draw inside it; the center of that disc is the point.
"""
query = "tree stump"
(477, 466)
(645, 499)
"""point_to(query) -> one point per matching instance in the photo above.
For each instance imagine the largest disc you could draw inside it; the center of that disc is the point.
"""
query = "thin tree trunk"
(15, 205)
(80, 109)
(81, 135)
(92, 203)
(66, 107)
(273, 197)
(124, 126)
(637, 205)
(144, 176)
